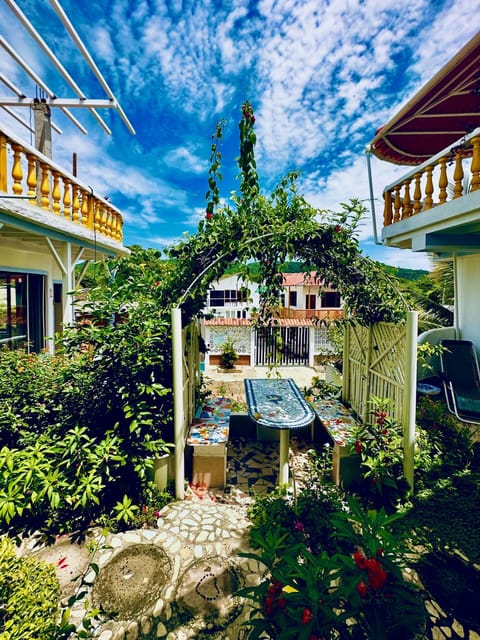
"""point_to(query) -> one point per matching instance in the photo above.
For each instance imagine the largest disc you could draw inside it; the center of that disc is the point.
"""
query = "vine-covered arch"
(270, 230)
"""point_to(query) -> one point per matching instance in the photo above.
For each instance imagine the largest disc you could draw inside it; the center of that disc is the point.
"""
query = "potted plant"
(229, 354)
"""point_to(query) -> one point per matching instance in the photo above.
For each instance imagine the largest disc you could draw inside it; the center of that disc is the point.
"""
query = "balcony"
(311, 314)
(46, 195)
(436, 206)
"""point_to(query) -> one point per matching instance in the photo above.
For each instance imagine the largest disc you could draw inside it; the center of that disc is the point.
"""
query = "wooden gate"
(282, 346)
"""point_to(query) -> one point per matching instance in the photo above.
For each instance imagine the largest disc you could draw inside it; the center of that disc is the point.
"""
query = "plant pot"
(161, 471)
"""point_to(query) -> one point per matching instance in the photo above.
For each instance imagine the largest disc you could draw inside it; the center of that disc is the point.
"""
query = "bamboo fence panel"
(375, 361)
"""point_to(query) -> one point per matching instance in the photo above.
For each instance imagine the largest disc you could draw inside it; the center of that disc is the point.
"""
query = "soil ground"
(230, 383)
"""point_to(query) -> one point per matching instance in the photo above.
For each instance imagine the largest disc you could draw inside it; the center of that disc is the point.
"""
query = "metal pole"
(178, 409)
(409, 401)
(368, 153)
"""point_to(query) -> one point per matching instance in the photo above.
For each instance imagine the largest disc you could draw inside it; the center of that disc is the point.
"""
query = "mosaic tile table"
(208, 436)
(276, 403)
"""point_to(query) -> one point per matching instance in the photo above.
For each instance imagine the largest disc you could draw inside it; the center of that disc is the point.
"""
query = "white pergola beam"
(53, 58)
(84, 51)
(70, 103)
(23, 122)
(11, 51)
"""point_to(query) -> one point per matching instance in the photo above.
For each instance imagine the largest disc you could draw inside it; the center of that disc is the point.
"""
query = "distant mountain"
(405, 274)
(298, 267)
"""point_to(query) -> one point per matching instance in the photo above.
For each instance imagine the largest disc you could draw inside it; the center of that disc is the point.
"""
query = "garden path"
(176, 581)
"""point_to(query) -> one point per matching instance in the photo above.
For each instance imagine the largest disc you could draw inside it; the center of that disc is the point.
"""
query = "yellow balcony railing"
(449, 175)
(26, 172)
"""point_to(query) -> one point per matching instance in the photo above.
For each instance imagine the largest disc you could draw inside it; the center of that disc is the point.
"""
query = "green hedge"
(29, 596)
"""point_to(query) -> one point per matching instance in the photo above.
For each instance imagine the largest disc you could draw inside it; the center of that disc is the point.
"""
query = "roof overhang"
(442, 112)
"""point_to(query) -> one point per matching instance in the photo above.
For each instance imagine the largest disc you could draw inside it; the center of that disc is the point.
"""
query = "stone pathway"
(176, 581)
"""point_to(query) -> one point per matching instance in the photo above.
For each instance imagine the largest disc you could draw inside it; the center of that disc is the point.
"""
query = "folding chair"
(461, 379)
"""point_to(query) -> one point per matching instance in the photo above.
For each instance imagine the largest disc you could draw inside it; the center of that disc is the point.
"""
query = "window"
(22, 310)
(331, 299)
(310, 301)
(221, 297)
(292, 299)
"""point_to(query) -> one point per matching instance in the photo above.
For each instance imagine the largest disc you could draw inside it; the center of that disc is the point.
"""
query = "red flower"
(362, 589)
(376, 574)
(209, 215)
(338, 228)
(282, 603)
(358, 446)
(307, 616)
(360, 560)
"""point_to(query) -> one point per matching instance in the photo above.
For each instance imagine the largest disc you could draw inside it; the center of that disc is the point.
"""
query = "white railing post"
(409, 398)
(346, 364)
(178, 404)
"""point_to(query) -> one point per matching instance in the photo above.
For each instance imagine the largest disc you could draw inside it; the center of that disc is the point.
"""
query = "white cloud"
(182, 159)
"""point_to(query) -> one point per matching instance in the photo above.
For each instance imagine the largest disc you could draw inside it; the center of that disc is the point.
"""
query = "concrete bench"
(208, 437)
(340, 426)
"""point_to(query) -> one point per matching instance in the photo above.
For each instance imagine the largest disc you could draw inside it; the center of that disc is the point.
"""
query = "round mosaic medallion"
(132, 581)
(206, 588)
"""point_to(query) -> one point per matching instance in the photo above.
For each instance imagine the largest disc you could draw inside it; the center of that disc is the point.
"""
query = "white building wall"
(215, 337)
(468, 296)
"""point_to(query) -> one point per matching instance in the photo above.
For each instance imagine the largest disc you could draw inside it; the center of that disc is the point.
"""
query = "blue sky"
(321, 75)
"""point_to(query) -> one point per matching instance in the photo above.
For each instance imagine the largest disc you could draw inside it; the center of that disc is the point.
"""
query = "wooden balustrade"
(447, 177)
(309, 314)
(23, 172)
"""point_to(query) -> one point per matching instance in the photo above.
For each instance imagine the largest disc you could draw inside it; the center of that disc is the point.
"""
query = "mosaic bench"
(208, 436)
(340, 426)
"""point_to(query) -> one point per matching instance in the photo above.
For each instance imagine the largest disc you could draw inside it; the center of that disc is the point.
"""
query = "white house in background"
(435, 206)
(308, 307)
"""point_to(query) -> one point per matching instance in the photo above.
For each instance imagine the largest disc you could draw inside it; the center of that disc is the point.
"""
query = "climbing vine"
(270, 230)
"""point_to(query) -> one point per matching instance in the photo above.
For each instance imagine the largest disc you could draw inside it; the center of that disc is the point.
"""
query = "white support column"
(311, 346)
(69, 285)
(346, 367)
(207, 341)
(50, 314)
(456, 306)
(178, 408)
(284, 448)
(253, 349)
(409, 404)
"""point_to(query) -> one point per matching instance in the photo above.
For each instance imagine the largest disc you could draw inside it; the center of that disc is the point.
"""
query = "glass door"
(22, 317)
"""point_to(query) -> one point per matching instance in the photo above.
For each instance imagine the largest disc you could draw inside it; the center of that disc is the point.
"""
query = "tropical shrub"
(92, 421)
(30, 391)
(228, 354)
(379, 443)
(358, 594)
(444, 444)
(305, 516)
(29, 596)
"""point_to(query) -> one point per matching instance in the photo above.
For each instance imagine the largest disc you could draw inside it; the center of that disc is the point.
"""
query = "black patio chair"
(461, 379)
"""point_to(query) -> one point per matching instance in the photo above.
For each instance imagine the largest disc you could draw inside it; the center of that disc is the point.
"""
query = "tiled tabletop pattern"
(336, 419)
(211, 423)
